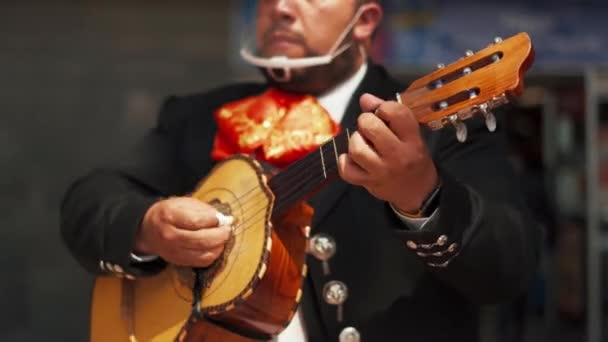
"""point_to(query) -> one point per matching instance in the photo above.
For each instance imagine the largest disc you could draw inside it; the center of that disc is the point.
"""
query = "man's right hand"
(183, 231)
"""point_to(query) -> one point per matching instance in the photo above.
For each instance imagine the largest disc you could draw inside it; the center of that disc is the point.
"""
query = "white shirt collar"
(336, 100)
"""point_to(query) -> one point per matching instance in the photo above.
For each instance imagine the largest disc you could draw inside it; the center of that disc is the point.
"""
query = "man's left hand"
(387, 155)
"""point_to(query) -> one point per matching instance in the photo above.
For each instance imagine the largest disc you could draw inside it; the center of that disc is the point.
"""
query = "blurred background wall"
(81, 80)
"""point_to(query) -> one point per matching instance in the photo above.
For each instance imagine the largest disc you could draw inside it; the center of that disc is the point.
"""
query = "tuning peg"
(438, 84)
(440, 66)
(467, 71)
(497, 40)
(488, 116)
(461, 128)
(469, 53)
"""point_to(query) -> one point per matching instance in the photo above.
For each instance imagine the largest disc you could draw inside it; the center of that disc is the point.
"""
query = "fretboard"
(307, 175)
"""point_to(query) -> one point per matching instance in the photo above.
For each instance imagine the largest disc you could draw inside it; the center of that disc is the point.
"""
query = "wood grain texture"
(158, 312)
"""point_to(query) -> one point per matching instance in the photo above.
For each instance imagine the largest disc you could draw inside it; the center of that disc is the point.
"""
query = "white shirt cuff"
(143, 258)
(415, 223)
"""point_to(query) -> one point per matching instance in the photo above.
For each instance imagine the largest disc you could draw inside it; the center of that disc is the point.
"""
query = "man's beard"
(319, 79)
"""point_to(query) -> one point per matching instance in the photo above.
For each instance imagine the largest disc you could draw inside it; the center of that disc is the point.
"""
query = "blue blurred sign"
(428, 32)
(565, 34)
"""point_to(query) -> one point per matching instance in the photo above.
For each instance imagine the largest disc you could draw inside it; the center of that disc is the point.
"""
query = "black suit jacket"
(394, 292)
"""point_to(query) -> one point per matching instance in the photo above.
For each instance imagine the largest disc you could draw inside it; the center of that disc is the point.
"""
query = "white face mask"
(285, 64)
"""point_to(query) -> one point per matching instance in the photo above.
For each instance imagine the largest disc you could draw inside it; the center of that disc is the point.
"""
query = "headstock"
(475, 84)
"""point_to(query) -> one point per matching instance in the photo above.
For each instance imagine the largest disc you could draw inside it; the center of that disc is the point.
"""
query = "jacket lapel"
(378, 83)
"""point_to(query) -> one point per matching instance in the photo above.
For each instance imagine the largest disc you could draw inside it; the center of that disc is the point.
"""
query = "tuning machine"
(485, 109)
(461, 128)
(488, 116)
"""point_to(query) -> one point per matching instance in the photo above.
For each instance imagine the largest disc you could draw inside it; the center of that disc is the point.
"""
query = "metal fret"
(323, 162)
(335, 149)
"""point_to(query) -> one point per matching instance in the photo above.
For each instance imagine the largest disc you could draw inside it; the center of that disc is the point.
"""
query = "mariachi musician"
(420, 230)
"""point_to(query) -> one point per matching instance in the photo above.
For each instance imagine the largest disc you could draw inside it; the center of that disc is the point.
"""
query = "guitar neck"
(307, 175)
(470, 86)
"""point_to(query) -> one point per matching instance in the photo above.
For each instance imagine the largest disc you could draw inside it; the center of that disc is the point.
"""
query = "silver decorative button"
(335, 293)
(442, 240)
(322, 247)
(350, 334)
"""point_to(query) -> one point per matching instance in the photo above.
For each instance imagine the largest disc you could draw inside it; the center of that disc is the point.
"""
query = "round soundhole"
(234, 189)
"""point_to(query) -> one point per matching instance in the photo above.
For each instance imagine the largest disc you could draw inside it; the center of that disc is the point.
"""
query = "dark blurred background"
(82, 80)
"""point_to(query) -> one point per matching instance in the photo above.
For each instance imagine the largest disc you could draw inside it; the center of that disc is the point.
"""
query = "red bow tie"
(275, 127)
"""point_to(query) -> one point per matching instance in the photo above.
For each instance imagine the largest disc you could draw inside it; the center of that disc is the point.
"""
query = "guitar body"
(253, 289)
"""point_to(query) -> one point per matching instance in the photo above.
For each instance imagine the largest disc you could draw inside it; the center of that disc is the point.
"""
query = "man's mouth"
(282, 39)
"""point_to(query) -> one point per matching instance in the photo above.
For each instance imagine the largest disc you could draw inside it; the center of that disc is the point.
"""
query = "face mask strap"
(347, 30)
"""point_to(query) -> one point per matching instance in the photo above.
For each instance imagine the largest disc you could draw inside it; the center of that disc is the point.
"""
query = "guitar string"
(295, 192)
(251, 221)
(247, 209)
(325, 148)
(317, 174)
(242, 247)
(256, 191)
(293, 187)
(243, 226)
(237, 252)
(305, 163)
(240, 251)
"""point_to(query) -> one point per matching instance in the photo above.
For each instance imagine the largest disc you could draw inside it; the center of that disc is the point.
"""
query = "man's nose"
(285, 10)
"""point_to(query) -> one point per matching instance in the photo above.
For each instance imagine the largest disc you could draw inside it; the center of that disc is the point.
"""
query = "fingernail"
(224, 220)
